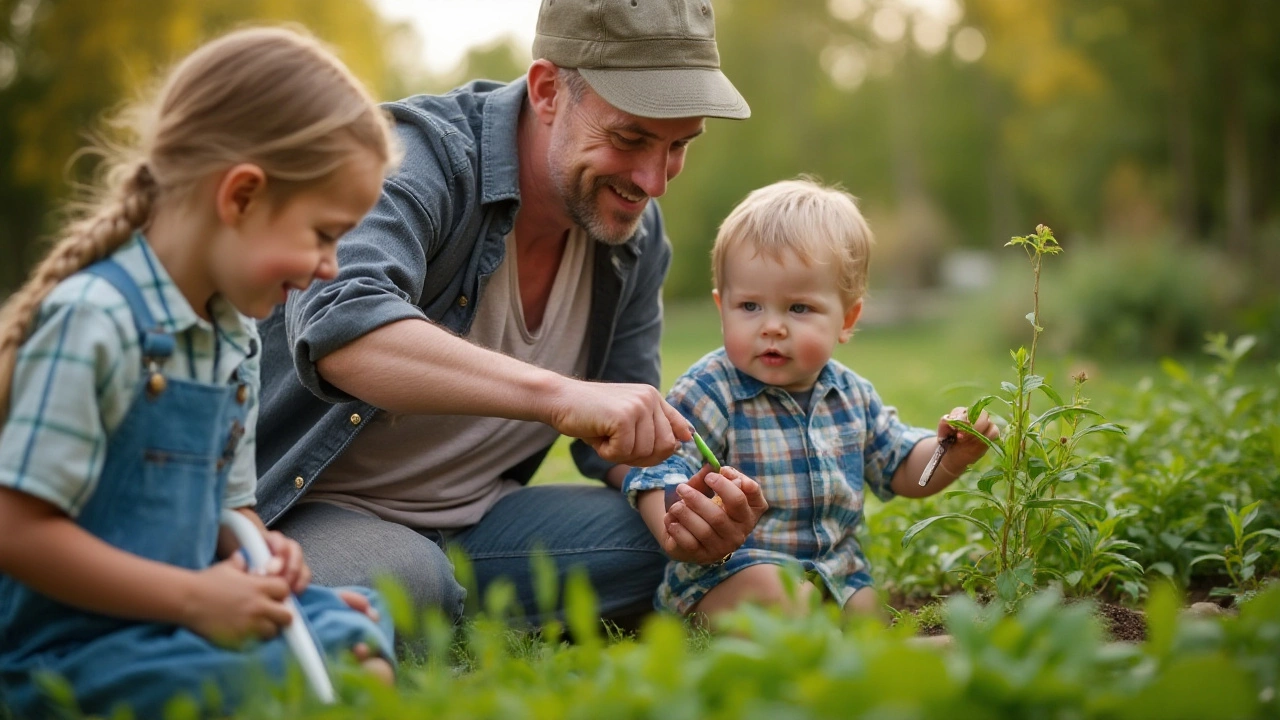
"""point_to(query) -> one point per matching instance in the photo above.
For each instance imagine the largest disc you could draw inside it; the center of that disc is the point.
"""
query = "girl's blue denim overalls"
(159, 497)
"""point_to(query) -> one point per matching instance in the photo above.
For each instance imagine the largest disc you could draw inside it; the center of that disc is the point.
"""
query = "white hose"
(296, 633)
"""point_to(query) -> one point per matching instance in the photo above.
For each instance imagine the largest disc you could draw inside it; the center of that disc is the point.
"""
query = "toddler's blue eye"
(750, 306)
(799, 309)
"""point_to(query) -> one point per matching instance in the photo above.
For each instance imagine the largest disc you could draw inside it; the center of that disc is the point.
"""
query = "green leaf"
(915, 529)
(1073, 578)
(1062, 502)
(1174, 370)
(580, 609)
(1101, 428)
(1206, 556)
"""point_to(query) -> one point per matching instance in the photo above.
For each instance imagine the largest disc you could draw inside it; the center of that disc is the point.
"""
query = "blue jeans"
(575, 525)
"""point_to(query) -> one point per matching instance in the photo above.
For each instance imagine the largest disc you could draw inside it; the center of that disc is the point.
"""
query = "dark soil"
(1122, 623)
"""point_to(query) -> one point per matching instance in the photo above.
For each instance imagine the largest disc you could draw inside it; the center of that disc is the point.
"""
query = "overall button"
(462, 301)
(242, 393)
(298, 482)
(355, 418)
(156, 384)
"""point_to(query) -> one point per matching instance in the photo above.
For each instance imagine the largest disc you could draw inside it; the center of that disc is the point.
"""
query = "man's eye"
(628, 141)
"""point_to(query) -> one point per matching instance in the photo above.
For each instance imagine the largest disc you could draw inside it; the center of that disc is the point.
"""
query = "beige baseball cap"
(651, 58)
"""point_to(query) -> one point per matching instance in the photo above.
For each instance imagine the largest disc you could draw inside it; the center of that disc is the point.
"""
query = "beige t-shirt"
(442, 471)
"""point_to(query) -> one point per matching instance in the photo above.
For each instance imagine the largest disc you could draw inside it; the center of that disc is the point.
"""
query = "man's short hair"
(819, 223)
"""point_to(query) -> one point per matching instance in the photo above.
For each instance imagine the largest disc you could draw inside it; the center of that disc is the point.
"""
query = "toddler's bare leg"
(865, 603)
(759, 584)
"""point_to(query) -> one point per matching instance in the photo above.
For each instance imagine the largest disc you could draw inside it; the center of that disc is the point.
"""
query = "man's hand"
(625, 423)
(701, 531)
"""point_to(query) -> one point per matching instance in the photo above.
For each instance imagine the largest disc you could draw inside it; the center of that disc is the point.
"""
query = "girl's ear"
(241, 188)
(850, 319)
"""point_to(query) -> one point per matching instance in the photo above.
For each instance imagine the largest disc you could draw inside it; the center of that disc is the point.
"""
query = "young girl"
(128, 389)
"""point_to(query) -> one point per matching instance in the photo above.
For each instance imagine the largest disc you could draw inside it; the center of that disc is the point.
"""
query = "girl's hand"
(231, 606)
(359, 603)
(968, 448)
(706, 530)
(287, 561)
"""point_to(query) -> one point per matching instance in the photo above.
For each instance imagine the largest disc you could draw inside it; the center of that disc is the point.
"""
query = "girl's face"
(781, 319)
(283, 246)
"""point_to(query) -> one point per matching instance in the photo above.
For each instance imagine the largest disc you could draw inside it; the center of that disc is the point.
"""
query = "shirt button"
(462, 301)
(298, 482)
(355, 418)
(242, 394)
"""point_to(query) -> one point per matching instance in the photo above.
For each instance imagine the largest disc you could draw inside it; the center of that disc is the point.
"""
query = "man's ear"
(240, 189)
(850, 319)
(546, 93)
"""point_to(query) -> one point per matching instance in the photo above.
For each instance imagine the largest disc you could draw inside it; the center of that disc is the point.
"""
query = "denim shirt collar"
(744, 387)
(500, 156)
(500, 167)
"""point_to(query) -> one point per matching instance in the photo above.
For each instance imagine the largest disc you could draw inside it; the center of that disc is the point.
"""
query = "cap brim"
(668, 92)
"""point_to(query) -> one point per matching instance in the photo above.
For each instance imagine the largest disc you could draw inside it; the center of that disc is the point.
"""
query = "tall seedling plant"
(1016, 504)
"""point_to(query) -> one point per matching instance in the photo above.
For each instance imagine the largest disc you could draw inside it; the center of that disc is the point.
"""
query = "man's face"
(606, 163)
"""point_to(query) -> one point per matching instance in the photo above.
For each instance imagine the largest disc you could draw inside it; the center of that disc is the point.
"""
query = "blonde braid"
(84, 242)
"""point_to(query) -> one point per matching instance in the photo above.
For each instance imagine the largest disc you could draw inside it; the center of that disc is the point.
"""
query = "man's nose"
(652, 176)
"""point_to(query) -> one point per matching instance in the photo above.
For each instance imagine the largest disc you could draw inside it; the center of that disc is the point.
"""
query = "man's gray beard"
(585, 216)
(585, 213)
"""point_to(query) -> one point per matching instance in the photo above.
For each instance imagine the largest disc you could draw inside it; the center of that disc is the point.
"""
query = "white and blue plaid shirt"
(79, 370)
(813, 468)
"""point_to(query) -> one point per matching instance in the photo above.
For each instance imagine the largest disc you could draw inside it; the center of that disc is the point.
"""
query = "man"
(406, 402)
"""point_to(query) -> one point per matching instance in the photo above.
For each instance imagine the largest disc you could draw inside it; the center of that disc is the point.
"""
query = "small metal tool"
(943, 446)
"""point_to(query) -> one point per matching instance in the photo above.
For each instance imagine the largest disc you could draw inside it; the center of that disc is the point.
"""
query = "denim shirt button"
(355, 418)
(462, 301)
(298, 482)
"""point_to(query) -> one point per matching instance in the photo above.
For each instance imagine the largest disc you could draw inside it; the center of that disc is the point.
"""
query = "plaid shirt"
(79, 371)
(812, 467)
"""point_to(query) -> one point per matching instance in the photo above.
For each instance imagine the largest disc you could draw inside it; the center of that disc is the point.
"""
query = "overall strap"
(156, 344)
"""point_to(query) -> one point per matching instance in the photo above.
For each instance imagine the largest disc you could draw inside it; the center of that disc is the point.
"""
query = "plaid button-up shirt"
(79, 371)
(813, 468)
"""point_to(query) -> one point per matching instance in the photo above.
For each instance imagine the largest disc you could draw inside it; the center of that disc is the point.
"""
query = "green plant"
(1018, 508)
(1196, 440)
(1098, 558)
(1240, 558)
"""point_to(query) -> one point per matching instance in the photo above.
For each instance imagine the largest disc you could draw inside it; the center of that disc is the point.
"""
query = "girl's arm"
(46, 551)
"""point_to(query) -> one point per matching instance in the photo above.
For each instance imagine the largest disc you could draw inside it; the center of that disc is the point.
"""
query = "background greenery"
(1140, 130)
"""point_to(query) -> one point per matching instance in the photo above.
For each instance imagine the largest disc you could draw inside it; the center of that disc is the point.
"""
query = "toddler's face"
(782, 319)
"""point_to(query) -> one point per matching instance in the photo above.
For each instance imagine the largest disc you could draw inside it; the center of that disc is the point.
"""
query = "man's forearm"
(415, 367)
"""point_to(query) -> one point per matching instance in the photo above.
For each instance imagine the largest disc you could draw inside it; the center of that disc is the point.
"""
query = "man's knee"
(344, 547)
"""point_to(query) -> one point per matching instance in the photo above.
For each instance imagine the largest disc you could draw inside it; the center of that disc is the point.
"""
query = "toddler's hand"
(287, 561)
(703, 531)
(231, 606)
(968, 448)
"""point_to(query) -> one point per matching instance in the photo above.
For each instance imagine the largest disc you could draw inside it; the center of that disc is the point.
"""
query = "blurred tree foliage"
(958, 124)
(64, 62)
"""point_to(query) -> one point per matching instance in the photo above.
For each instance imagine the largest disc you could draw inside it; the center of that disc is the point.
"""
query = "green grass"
(922, 368)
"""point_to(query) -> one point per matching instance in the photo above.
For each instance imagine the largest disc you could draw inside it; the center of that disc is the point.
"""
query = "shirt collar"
(744, 387)
(170, 307)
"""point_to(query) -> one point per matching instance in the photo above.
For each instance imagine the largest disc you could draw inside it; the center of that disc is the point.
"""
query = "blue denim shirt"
(425, 251)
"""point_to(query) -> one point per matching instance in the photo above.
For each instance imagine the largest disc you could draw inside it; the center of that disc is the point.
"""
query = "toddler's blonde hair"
(819, 223)
(273, 97)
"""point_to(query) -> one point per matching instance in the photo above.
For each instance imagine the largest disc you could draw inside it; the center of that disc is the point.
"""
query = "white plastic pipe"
(296, 633)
